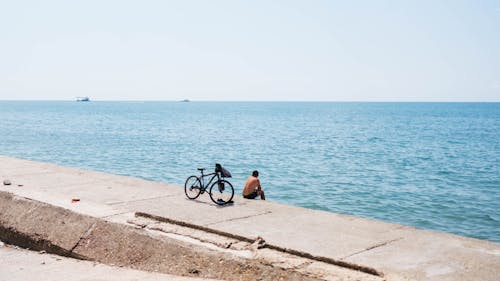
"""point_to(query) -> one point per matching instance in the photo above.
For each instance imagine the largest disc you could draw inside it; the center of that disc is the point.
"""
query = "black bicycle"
(221, 191)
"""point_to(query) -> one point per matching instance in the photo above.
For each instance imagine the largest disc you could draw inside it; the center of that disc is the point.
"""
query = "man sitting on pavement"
(252, 187)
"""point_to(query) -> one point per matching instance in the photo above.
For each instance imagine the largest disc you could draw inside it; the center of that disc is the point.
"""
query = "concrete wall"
(40, 226)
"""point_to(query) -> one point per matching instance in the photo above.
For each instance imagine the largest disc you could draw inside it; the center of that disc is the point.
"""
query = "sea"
(428, 165)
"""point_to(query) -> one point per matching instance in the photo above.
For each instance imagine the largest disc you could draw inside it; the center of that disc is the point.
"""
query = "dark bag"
(223, 171)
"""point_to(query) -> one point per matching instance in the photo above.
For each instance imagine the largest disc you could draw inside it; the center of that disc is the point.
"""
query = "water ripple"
(434, 166)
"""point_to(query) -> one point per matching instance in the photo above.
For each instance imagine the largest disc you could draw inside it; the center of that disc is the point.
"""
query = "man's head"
(255, 173)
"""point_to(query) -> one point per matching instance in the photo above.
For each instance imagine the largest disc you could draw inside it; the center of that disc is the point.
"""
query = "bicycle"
(222, 193)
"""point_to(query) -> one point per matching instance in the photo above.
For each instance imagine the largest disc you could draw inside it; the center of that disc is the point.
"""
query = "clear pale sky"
(250, 50)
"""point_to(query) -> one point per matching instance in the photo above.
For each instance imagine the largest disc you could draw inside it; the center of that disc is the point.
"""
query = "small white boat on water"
(82, 99)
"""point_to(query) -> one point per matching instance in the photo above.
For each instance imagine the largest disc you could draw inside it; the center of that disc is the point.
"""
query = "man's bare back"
(252, 187)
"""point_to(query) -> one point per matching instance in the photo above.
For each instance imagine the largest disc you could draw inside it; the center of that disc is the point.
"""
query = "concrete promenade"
(397, 252)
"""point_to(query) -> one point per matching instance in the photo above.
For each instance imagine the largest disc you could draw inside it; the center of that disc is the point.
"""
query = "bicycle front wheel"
(221, 192)
(192, 187)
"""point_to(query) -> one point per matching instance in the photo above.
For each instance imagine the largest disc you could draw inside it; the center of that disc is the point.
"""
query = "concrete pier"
(357, 248)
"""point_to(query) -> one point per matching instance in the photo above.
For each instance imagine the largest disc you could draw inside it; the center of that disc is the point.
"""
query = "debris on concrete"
(260, 242)
(6, 182)
(194, 271)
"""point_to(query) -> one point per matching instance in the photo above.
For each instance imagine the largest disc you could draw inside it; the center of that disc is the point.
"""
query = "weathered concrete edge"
(40, 239)
(348, 265)
(113, 243)
(14, 237)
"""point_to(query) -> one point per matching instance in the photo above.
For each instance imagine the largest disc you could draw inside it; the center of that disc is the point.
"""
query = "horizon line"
(257, 101)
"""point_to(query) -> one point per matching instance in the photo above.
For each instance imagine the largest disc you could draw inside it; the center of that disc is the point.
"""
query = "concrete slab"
(427, 255)
(324, 234)
(252, 218)
(42, 226)
(99, 194)
(58, 197)
(40, 223)
(201, 211)
(397, 251)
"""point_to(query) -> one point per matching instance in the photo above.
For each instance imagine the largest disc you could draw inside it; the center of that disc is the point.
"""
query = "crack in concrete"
(117, 214)
(340, 263)
(239, 218)
(85, 235)
(139, 200)
(193, 226)
(302, 265)
(372, 247)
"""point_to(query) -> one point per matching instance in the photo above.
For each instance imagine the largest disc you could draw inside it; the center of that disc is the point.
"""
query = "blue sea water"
(429, 165)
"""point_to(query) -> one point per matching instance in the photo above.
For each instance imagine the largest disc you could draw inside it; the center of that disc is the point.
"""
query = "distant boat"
(186, 100)
(82, 99)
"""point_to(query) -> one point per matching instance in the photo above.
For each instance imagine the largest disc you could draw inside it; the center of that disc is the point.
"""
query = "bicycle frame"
(203, 176)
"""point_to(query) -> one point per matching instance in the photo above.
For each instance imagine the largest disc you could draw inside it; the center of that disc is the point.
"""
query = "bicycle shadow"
(210, 203)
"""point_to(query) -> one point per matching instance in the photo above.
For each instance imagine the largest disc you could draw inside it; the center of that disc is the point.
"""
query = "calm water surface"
(429, 165)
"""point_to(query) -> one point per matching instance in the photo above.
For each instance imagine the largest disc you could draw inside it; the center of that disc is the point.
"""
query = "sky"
(250, 50)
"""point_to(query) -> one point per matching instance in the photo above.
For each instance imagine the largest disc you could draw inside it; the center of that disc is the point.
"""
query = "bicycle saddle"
(201, 169)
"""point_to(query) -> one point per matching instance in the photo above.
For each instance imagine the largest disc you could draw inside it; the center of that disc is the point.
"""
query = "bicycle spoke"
(221, 192)
(192, 187)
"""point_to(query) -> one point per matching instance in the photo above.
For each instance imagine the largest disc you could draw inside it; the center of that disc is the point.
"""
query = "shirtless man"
(252, 187)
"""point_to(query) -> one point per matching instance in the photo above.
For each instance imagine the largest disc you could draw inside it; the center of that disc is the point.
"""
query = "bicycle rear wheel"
(221, 192)
(192, 187)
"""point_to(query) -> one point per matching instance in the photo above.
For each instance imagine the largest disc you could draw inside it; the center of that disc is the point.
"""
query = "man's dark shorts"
(251, 195)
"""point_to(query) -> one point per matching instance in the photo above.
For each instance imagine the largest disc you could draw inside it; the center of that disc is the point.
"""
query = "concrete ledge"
(340, 263)
(399, 252)
(40, 226)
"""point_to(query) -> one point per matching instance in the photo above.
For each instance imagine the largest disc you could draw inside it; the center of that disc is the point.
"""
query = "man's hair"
(255, 173)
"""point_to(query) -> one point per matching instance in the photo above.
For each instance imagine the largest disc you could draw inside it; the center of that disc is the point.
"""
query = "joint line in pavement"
(372, 247)
(239, 218)
(143, 199)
